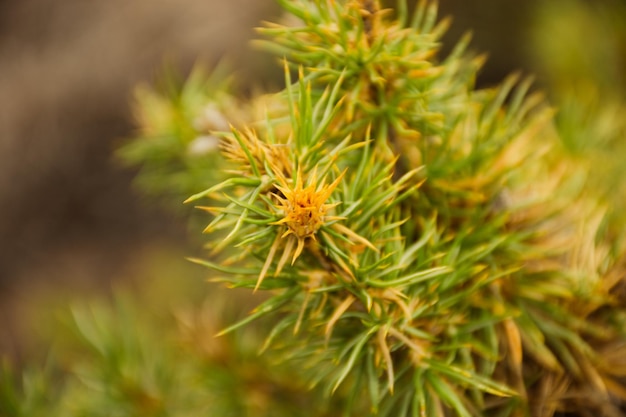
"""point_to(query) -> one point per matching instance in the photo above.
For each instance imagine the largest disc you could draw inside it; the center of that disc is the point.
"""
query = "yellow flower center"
(304, 212)
(304, 208)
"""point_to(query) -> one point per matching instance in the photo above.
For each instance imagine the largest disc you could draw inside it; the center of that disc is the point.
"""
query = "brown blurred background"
(69, 216)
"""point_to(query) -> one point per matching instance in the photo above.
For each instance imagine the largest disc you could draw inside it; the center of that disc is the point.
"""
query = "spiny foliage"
(416, 239)
(455, 265)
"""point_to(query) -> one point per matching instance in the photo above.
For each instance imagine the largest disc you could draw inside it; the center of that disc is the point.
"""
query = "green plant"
(424, 247)
(452, 262)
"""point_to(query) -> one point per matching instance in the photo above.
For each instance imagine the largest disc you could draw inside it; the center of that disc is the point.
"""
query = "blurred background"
(71, 222)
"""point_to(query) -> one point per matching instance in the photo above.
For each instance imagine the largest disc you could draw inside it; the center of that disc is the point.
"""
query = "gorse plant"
(418, 238)
(424, 247)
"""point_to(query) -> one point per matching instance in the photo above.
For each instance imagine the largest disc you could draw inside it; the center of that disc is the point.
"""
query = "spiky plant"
(423, 247)
(452, 264)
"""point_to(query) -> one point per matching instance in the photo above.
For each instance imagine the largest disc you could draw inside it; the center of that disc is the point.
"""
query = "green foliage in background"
(411, 245)
(582, 56)
(173, 157)
(122, 358)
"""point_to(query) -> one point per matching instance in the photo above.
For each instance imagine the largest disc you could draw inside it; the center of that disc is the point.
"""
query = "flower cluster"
(305, 208)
